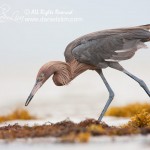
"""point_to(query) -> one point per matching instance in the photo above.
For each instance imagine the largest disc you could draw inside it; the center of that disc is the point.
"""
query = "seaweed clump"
(68, 131)
(129, 110)
(140, 120)
(18, 114)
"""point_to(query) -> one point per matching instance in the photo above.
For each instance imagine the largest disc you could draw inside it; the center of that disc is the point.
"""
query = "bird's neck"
(62, 73)
(77, 68)
(66, 72)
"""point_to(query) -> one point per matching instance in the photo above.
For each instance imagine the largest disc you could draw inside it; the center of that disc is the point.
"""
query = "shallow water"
(25, 46)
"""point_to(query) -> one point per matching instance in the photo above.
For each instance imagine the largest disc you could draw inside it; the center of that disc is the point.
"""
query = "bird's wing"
(112, 46)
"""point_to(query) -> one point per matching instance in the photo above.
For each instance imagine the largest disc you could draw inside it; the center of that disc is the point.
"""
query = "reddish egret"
(96, 51)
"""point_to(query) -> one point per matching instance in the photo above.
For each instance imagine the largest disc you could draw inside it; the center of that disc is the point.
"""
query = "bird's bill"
(34, 90)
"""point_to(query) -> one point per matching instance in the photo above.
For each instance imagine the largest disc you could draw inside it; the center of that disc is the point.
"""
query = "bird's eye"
(41, 77)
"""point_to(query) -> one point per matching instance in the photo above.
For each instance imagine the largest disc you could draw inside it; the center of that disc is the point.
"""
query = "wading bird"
(96, 51)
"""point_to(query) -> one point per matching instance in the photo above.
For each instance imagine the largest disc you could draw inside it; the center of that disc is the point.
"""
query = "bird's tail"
(145, 27)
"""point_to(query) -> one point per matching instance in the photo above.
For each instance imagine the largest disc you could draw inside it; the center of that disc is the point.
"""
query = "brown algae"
(128, 110)
(18, 114)
(140, 120)
(68, 131)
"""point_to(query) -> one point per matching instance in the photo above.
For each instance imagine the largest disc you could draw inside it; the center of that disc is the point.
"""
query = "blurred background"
(35, 32)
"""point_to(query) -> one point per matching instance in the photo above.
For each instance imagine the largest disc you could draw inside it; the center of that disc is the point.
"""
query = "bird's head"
(44, 73)
(59, 69)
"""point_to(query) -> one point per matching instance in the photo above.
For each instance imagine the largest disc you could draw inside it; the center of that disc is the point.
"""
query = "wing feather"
(99, 48)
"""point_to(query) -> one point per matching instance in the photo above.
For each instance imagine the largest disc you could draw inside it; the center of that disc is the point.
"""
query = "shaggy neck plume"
(62, 74)
(65, 72)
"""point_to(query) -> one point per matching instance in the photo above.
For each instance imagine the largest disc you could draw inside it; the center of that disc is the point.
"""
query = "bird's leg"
(141, 82)
(111, 95)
